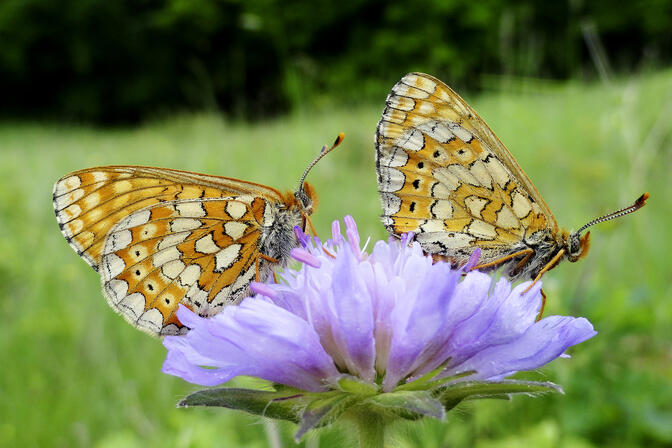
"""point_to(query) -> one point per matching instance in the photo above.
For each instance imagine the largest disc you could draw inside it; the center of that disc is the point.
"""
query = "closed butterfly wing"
(443, 174)
(161, 237)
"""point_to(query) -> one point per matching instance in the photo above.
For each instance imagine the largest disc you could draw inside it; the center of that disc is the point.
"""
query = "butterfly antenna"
(323, 152)
(639, 203)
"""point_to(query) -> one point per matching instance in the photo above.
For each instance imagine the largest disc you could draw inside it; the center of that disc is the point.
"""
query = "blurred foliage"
(124, 60)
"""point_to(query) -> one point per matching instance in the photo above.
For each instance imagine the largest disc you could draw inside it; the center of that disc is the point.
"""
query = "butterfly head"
(576, 245)
(306, 199)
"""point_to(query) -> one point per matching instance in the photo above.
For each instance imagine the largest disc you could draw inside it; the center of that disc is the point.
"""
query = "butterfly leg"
(267, 258)
(550, 265)
(526, 252)
(329, 254)
(543, 305)
(310, 224)
(522, 263)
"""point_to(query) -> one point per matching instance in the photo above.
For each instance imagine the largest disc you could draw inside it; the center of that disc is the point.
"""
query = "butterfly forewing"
(162, 237)
(443, 174)
(89, 202)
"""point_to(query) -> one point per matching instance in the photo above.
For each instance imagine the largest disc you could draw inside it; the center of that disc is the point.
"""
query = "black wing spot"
(150, 287)
(137, 253)
(416, 183)
(421, 165)
(412, 207)
(436, 153)
(137, 272)
(167, 301)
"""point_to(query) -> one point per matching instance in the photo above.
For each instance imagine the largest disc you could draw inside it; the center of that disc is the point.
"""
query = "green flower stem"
(371, 428)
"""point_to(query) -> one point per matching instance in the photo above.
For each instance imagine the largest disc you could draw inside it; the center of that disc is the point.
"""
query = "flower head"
(393, 320)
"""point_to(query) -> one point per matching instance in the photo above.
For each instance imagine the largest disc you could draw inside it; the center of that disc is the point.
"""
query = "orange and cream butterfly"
(160, 237)
(444, 175)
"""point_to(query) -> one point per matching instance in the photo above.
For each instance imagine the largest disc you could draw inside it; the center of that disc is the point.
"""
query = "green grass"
(75, 374)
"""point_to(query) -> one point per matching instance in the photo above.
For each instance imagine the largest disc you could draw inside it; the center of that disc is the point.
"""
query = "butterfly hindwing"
(443, 174)
(201, 253)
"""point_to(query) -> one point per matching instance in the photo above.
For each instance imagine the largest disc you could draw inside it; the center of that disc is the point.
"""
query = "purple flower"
(387, 318)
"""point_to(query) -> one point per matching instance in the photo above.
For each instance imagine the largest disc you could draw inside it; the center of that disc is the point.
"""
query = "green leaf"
(409, 404)
(323, 411)
(270, 404)
(451, 396)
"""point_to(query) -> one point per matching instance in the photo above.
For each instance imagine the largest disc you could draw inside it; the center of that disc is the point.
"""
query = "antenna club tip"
(642, 199)
(339, 139)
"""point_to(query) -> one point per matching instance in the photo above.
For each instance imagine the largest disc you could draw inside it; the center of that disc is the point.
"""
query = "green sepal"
(450, 396)
(411, 405)
(323, 411)
(427, 381)
(272, 404)
(355, 385)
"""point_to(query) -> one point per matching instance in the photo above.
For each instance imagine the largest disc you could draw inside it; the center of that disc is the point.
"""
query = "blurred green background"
(579, 91)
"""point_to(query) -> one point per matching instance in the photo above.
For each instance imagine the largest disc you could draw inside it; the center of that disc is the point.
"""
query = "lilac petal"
(352, 318)
(177, 364)
(473, 260)
(256, 338)
(305, 257)
(407, 238)
(336, 232)
(288, 299)
(384, 290)
(420, 321)
(352, 234)
(425, 345)
(301, 236)
(541, 343)
(502, 316)
(263, 289)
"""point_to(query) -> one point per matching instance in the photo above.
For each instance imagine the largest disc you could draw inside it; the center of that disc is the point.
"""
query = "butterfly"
(159, 237)
(444, 175)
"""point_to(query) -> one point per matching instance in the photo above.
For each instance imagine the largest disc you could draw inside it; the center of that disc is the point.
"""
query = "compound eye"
(304, 199)
(574, 245)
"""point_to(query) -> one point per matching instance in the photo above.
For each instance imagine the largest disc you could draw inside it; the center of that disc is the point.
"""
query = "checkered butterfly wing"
(161, 237)
(443, 174)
